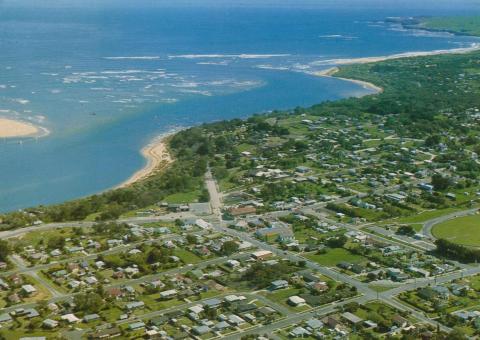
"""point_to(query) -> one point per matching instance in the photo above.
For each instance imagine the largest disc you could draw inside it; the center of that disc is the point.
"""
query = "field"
(462, 230)
(334, 256)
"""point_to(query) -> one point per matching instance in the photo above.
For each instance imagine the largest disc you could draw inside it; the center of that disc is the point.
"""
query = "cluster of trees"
(457, 252)
(229, 248)
(441, 183)
(337, 242)
(406, 230)
(88, 303)
(261, 275)
(342, 209)
(5, 250)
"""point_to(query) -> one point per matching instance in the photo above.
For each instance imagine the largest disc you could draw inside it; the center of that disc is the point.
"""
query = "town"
(351, 219)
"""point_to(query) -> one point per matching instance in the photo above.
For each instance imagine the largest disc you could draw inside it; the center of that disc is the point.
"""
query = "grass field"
(426, 215)
(462, 230)
(334, 256)
(187, 256)
(188, 197)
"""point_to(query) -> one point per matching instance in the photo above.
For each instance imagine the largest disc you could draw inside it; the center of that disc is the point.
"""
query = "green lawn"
(334, 256)
(187, 256)
(281, 296)
(188, 197)
(462, 230)
(426, 215)
(381, 288)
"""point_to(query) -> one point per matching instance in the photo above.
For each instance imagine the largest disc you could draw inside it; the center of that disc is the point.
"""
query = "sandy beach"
(474, 47)
(331, 72)
(10, 128)
(157, 156)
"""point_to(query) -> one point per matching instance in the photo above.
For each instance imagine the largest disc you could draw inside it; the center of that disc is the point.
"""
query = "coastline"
(158, 157)
(13, 128)
(330, 72)
(365, 60)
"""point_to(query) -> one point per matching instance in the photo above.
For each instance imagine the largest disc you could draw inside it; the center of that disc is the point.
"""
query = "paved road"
(294, 318)
(367, 293)
(215, 196)
(361, 287)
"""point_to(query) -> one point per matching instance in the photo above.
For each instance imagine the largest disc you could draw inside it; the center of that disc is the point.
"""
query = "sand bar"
(158, 157)
(10, 128)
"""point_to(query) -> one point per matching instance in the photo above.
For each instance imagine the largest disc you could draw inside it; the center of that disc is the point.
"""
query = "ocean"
(106, 80)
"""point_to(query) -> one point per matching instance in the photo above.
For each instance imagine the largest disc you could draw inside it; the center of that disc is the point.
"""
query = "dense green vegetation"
(415, 91)
(460, 25)
(455, 251)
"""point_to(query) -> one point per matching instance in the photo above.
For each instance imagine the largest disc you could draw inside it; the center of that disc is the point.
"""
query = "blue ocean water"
(106, 80)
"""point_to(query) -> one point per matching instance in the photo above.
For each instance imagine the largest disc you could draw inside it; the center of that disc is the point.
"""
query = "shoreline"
(365, 60)
(13, 128)
(330, 72)
(157, 156)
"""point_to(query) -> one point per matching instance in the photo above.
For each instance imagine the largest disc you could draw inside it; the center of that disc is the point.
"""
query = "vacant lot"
(335, 256)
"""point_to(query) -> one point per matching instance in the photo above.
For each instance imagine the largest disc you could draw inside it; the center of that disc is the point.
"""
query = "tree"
(432, 140)
(88, 303)
(158, 255)
(56, 242)
(5, 250)
(191, 239)
(337, 242)
(457, 334)
(210, 313)
(440, 182)
(406, 230)
(229, 248)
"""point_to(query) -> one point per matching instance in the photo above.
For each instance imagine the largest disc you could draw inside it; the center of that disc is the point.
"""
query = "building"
(168, 294)
(278, 284)
(296, 301)
(262, 255)
(29, 289)
(134, 305)
(49, 323)
(352, 318)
